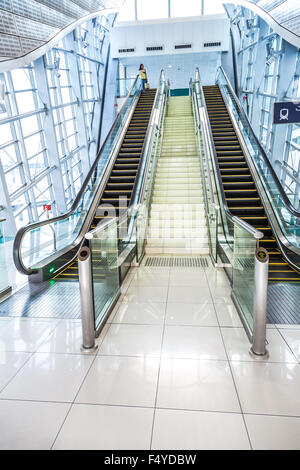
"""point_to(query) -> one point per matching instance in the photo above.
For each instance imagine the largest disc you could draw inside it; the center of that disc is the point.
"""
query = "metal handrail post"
(86, 300)
(261, 266)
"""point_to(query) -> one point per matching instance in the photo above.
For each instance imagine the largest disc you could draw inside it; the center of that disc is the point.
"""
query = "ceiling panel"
(285, 12)
(26, 25)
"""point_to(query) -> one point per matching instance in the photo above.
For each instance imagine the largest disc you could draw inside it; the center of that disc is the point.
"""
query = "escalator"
(121, 183)
(240, 189)
(48, 249)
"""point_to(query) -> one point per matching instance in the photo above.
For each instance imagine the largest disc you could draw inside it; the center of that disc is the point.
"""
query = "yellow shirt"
(143, 74)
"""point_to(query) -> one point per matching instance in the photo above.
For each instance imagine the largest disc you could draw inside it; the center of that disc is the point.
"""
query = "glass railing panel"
(244, 248)
(4, 283)
(41, 243)
(111, 243)
(290, 225)
(213, 231)
(141, 230)
(105, 272)
(123, 86)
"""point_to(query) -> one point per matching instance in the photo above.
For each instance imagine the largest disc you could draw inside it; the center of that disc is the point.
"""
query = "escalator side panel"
(121, 181)
(240, 190)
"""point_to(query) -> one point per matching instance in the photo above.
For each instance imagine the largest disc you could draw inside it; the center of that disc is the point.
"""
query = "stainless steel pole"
(86, 300)
(258, 349)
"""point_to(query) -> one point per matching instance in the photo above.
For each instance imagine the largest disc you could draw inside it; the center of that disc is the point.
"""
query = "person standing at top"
(143, 75)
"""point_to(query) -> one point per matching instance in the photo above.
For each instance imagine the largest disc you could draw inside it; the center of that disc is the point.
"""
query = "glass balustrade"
(288, 222)
(41, 243)
(4, 282)
(244, 247)
(111, 243)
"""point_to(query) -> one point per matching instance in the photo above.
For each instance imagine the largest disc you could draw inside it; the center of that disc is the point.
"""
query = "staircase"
(177, 223)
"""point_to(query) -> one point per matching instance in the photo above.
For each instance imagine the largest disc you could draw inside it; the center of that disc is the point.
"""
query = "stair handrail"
(75, 205)
(285, 198)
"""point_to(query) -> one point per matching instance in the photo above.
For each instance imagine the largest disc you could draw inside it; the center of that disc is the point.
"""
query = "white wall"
(168, 33)
(183, 67)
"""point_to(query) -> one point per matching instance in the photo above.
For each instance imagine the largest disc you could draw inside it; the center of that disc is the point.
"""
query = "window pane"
(25, 102)
(8, 157)
(127, 12)
(212, 7)
(186, 8)
(21, 79)
(154, 9)
(13, 180)
(29, 125)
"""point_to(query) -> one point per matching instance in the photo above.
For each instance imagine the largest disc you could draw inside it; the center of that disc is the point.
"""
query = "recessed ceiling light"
(170, 66)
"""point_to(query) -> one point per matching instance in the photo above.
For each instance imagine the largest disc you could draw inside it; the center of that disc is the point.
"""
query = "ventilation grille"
(212, 44)
(154, 48)
(126, 50)
(177, 262)
(183, 46)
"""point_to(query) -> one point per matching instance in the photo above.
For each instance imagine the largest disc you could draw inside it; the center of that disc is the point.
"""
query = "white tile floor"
(172, 371)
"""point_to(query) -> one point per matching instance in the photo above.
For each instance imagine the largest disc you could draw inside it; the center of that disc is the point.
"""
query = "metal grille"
(45, 300)
(283, 303)
(177, 262)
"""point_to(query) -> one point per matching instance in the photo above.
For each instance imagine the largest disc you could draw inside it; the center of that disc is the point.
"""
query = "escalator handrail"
(133, 207)
(23, 230)
(289, 205)
(236, 220)
(153, 126)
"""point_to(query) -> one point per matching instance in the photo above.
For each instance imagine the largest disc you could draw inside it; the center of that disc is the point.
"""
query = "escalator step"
(237, 180)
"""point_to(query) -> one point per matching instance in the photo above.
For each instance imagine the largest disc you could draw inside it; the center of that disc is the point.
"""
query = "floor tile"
(189, 294)
(191, 314)
(146, 294)
(148, 277)
(196, 385)
(151, 313)
(188, 277)
(25, 335)
(185, 430)
(193, 342)
(221, 294)
(49, 377)
(227, 315)
(273, 432)
(26, 425)
(132, 340)
(10, 363)
(66, 338)
(119, 380)
(238, 346)
(283, 326)
(106, 427)
(292, 337)
(268, 388)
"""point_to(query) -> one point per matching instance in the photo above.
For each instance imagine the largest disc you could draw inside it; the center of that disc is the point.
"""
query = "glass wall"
(48, 132)
(146, 10)
(269, 71)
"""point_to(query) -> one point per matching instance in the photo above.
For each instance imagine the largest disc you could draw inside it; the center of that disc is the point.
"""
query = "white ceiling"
(26, 25)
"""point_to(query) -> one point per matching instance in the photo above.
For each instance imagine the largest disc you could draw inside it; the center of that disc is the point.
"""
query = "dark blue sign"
(286, 112)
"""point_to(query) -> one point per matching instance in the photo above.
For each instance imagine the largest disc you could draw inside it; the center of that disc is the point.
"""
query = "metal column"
(86, 300)
(258, 349)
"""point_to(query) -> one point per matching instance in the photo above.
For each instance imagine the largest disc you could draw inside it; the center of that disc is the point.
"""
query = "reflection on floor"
(172, 371)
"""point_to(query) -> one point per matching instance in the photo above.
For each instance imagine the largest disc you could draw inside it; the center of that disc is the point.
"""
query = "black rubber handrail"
(287, 202)
(23, 230)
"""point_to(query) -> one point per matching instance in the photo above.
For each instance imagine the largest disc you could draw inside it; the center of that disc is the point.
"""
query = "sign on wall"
(286, 112)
